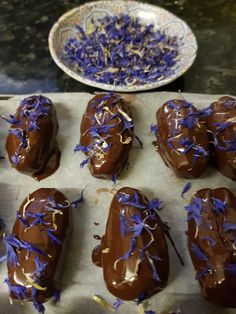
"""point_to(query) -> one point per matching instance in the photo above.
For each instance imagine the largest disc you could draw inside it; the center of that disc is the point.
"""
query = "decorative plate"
(148, 14)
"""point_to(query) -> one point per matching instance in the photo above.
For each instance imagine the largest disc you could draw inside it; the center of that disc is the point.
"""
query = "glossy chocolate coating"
(41, 157)
(185, 165)
(122, 278)
(222, 113)
(57, 219)
(218, 285)
(109, 163)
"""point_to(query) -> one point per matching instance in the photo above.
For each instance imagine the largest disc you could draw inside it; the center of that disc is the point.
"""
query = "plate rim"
(111, 87)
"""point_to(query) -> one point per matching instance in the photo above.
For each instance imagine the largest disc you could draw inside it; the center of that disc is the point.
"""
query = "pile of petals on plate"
(120, 50)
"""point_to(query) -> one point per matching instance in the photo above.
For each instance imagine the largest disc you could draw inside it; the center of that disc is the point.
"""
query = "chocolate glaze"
(57, 219)
(41, 157)
(122, 278)
(184, 164)
(217, 285)
(109, 163)
(223, 111)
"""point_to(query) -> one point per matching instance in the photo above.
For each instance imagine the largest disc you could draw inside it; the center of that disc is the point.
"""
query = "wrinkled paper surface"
(147, 172)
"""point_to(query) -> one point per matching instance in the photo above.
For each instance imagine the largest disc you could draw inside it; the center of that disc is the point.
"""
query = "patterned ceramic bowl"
(162, 19)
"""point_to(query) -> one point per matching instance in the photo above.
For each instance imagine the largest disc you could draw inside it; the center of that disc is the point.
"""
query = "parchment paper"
(147, 172)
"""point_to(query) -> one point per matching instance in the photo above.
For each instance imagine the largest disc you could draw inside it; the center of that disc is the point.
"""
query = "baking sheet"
(147, 172)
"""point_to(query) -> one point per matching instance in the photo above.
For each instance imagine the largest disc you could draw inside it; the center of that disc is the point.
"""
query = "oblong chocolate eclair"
(34, 249)
(212, 243)
(133, 252)
(106, 135)
(222, 125)
(182, 139)
(31, 143)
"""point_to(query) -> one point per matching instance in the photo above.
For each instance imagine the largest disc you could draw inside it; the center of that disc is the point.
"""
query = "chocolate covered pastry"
(106, 135)
(221, 123)
(34, 249)
(31, 143)
(182, 139)
(212, 244)
(133, 252)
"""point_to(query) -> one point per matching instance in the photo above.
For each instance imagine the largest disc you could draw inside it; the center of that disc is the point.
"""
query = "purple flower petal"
(39, 306)
(229, 226)
(130, 251)
(231, 268)
(11, 119)
(121, 51)
(123, 225)
(15, 158)
(198, 252)
(155, 203)
(194, 210)
(173, 105)
(39, 266)
(219, 205)
(53, 237)
(3, 258)
(153, 128)
(80, 200)
(205, 112)
(57, 296)
(117, 304)
(209, 240)
(186, 188)
(126, 199)
(18, 290)
(203, 273)
(114, 179)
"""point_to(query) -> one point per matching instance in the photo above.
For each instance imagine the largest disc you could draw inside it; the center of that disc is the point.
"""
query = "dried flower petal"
(194, 210)
(127, 199)
(39, 266)
(39, 306)
(153, 128)
(229, 226)
(18, 290)
(52, 236)
(198, 252)
(57, 296)
(15, 158)
(114, 179)
(11, 119)
(211, 241)
(231, 268)
(190, 120)
(117, 303)
(186, 188)
(80, 200)
(219, 205)
(203, 273)
(119, 50)
(173, 105)
(205, 112)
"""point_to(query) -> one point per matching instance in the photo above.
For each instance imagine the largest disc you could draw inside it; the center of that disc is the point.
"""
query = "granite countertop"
(26, 65)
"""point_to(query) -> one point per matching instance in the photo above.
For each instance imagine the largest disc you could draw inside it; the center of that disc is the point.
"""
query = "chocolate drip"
(107, 148)
(182, 140)
(211, 243)
(222, 125)
(135, 263)
(31, 143)
(42, 227)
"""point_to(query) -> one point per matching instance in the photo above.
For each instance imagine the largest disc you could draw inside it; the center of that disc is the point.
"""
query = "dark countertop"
(26, 65)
